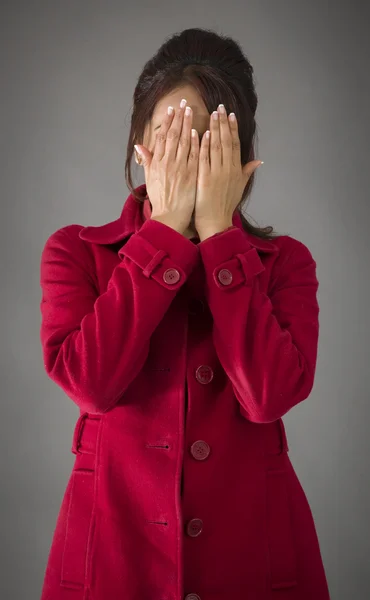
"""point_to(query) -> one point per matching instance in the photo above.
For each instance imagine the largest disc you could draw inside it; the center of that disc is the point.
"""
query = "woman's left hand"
(221, 176)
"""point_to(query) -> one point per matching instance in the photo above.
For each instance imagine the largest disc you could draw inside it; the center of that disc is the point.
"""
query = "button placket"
(194, 527)
(200, 450)
(195, 306)
(204, 374)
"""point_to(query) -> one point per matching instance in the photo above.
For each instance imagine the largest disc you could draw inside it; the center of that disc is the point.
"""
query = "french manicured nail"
(187, 110)
(222, 108)
(170, 110)
(215, 115)
(232, 116)
(182, 103)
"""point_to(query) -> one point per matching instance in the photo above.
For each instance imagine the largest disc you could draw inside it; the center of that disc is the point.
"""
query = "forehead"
(174, 98)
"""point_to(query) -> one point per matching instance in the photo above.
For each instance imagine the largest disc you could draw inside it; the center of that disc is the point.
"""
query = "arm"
(267, 344)
(95, 345)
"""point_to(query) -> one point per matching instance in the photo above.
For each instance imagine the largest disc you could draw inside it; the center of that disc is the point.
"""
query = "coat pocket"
(282, 553)
(79, 527)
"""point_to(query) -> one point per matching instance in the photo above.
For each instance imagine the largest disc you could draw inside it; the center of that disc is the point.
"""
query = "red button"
(204, 374)
(200, 450)
(194, 527)
(171, 276)
(225, 276)
(192, 597)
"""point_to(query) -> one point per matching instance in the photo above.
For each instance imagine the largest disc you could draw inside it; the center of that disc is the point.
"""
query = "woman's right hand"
(171, 171)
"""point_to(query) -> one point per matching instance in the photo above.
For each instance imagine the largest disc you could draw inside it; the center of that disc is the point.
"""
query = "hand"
(171, 171)
(221, 176)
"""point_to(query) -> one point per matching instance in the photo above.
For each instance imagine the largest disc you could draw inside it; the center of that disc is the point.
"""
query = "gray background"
(68, 74)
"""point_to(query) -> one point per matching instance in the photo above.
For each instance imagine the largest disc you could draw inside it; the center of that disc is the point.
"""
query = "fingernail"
(182, 103)
(138, 150)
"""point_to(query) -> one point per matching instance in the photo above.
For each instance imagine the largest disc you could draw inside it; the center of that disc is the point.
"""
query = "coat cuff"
(162, 253)
(229, 259)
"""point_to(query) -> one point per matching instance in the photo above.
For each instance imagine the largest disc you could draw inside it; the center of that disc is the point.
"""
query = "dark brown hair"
(216, 66)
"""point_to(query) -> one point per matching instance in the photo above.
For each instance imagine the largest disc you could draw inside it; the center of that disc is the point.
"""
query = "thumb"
(146, 156)
(251, 166)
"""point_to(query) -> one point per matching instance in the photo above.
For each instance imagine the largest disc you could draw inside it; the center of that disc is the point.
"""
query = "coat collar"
(133, 216)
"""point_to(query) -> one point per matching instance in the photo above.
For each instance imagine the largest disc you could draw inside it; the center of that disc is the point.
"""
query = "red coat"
(182, 357)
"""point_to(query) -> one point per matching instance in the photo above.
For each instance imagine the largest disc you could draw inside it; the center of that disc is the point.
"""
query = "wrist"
(170, 222)
(213, 229)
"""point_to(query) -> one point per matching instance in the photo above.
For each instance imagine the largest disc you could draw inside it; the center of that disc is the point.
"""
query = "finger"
(145, 155)
(215, 152)
(184, 139)
(174, 131)
(204, 164)
(193, 160)
(235, 141)
(225, 136)
(160, 140)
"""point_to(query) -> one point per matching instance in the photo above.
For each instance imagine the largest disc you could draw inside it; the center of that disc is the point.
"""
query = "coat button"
(225, 276)
(204, 374)
(192, 597)
(200, 450)
(171, 276)
(194, 527)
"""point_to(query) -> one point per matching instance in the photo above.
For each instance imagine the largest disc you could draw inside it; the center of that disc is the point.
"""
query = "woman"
(183, 334)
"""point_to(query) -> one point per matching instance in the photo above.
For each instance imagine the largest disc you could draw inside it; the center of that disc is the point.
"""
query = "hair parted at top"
(217, 68)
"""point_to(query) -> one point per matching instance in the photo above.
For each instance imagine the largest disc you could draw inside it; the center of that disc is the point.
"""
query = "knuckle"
(193, 155)
(161, 137)
(173, 133)
(184, 141)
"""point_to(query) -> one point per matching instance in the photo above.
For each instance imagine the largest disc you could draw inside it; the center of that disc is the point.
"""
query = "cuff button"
(171, 276)
(225, 276)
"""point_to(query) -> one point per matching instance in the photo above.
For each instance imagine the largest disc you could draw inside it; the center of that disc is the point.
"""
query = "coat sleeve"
(95, 344)
(266, 343)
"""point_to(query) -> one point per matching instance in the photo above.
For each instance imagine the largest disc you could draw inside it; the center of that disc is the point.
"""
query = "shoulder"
(66, 239)
(294, 264)
(65, 244)
(291, 250)
(65, 236)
